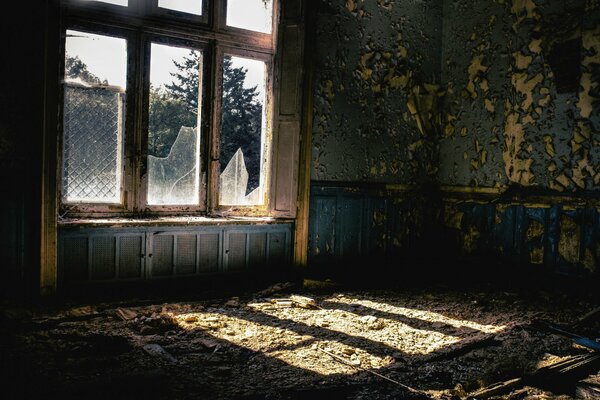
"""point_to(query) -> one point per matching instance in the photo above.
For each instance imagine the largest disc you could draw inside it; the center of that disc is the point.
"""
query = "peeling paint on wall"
(570, 238)
(378, 93)
(545, 137)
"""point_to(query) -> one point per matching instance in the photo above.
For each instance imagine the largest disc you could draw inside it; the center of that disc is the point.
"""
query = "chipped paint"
(470, 239)
(378, 95)
(589, 261)
(550, 140)
(570, 239)
(453, 217)
(476, 70)
(517, 169)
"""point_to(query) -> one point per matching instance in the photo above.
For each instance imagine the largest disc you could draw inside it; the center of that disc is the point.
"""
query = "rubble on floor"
(286, 342)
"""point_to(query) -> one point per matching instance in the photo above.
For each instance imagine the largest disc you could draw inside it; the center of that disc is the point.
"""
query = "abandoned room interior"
(300, 199)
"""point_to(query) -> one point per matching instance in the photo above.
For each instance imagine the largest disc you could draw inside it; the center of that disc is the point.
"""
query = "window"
(167, 107)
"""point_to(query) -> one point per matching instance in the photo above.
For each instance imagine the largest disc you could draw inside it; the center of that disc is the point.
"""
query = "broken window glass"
(94, 95)
(243, 130)
(173, 121)
(254, 15)
(186, 6)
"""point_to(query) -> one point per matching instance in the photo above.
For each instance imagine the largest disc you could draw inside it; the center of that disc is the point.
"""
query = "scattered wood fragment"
(589, 388)
(456, 351)
(560, 372)
(587, 317)
(284, 303)
(157, 350)
(125, 314)
(348, 363)
(278, 287)
(497, 388)
(319, 285)
(304, 302)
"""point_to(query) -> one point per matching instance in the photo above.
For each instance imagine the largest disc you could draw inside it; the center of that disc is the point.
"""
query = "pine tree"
(241, 111)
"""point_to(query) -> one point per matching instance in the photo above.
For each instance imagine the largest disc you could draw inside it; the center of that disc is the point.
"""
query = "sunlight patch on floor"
(389, 333)
(428, 316)
(297, 350)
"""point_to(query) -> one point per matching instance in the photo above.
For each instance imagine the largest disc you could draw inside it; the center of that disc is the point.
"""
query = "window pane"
(174, 118)
(186, 6)
(94, 103)
(117, 2)
(243, 130)
(254, 15)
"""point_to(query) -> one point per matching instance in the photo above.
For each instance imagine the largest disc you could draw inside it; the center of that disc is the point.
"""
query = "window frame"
(125, 205)
(216, 208)
(143, 23)
(147, 40)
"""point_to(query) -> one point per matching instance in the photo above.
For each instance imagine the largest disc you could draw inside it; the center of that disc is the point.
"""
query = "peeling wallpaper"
(469, 93)
(377, 90)
(522, 80)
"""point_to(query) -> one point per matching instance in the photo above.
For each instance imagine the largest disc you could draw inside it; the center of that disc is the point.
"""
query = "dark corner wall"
(377, 102)
(521, 119)
(21, 126)
(462, 132)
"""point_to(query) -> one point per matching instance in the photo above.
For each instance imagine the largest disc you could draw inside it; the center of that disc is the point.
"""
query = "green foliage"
(166, 116)
(176, 105)
(241, 113)
(241, 122)
(75, 68)
(186, 82)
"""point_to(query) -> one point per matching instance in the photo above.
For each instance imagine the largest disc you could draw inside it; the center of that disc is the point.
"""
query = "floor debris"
(289, 342)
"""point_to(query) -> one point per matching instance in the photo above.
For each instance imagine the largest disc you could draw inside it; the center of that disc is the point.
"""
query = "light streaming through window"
(243, 130)
(173, 126)
(93, 117)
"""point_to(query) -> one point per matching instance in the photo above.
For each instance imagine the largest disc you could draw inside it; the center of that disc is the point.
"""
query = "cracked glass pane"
(243, 132)
(93, 118)
(254, 15)
(174, 118)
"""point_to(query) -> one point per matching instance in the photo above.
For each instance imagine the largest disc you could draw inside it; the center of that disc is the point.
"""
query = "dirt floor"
(299, 341)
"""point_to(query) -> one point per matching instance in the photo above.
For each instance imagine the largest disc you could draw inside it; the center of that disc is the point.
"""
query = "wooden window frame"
(142, 23)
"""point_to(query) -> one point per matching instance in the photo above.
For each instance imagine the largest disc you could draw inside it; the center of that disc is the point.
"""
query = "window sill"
(168, 221)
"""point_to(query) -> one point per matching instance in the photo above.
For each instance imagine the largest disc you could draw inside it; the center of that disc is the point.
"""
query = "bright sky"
(106, 57)
(117, 2)
(250, 14)
(188, 6)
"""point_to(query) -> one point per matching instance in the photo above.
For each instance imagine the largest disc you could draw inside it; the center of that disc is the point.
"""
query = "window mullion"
(137, 137)
(215, 126)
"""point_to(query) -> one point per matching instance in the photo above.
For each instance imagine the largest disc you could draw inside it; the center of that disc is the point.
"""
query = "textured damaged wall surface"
(560, 238)
(390, 231)
(522, 80)
(376, 94)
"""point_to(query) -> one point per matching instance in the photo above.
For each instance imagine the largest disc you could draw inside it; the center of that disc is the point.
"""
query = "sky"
(106, 57)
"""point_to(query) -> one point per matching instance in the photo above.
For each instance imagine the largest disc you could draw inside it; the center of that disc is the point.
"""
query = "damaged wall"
(508, 126)
(522, 124)
(377, 102)
(376, 64)
(522, 79)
